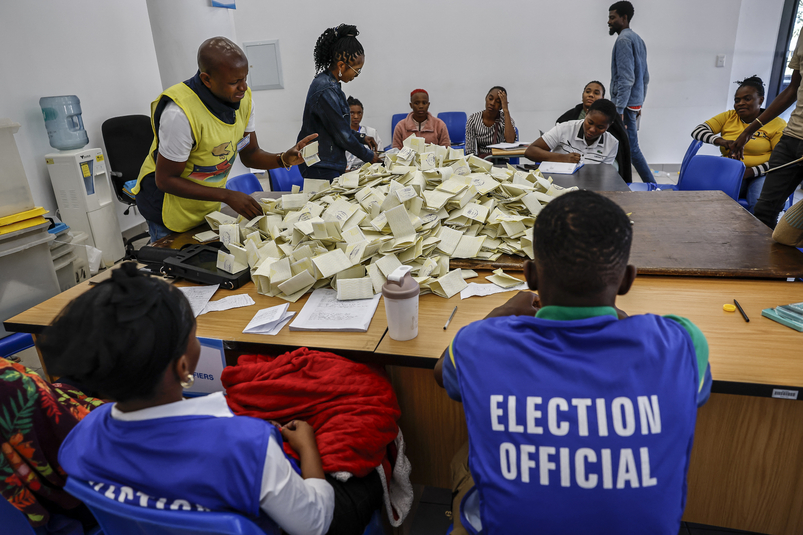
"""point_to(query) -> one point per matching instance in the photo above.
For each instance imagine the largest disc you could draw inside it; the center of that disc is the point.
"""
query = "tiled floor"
(30, 358)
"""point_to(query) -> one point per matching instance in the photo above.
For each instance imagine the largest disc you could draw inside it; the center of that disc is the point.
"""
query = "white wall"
(99, 50)
(542, 52)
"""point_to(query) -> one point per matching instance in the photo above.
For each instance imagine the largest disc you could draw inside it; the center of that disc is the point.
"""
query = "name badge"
(243, 143)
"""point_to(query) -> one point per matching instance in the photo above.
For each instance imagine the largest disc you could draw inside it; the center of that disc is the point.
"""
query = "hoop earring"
(188, 382)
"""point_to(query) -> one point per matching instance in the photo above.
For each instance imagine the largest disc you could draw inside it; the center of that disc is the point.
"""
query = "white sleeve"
(251, 118)
(373, 133)
(175, 134)
(613, 150)
(299, 506)
(552, 138)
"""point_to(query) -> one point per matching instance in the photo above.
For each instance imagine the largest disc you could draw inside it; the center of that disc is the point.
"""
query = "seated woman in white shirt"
(584, 139)
(356, 107)
(132, 337)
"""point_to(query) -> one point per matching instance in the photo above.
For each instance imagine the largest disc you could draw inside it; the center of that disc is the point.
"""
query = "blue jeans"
(635, 151)
(157, 231)
(751, 190)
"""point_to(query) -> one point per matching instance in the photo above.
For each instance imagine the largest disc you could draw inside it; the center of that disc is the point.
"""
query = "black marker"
(741, 310)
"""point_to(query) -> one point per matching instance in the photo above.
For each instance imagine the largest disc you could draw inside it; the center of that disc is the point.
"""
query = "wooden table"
(691, 234)
(746, 460)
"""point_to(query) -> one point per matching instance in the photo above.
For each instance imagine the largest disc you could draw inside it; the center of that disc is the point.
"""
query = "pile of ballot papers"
(420, 207)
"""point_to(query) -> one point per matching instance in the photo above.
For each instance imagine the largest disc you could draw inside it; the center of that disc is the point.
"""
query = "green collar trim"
(560, 313)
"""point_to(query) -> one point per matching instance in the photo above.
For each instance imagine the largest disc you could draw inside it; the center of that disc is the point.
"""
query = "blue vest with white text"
(196, 462)
(579, 426)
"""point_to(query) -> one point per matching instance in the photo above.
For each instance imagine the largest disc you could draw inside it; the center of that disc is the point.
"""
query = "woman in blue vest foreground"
(133, 339)
(339, 58)
(583, 420)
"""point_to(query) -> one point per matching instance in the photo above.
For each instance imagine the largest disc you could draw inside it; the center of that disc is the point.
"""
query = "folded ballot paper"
(310, 153)
(269, 320)
(421, 207)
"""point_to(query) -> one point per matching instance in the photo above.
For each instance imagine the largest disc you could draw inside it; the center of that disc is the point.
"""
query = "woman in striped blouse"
(747, 107)
(492, 125)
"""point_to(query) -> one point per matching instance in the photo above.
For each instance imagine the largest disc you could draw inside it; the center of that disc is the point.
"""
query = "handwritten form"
(199, 296)
(323, 312)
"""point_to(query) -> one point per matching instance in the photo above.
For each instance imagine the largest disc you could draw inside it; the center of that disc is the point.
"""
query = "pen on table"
(741, 310)
(450, 318)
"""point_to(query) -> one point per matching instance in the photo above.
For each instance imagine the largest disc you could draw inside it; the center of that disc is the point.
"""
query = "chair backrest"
(13, 520)
(284, 179)
(128, 139)
(691, 152)
(124, 519)
(394, 121)
(713, 173)
(456, 124)
(247, 183)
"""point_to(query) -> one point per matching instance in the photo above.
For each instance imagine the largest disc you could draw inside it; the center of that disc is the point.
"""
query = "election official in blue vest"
(580, 418)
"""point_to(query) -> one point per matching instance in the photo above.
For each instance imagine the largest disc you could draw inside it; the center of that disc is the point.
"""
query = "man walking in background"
(629, 79)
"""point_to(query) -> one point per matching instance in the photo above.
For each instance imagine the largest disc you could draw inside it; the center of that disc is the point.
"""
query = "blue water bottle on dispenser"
(65, 128)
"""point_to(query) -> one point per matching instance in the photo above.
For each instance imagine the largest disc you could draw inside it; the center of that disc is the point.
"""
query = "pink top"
(433, 130)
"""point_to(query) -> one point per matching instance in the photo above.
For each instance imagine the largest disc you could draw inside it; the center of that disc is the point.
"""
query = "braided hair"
(582, 240)
(120, 337)
(336, 44)
(754, 82)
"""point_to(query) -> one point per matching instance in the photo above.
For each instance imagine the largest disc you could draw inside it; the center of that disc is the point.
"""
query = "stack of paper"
(420, 207)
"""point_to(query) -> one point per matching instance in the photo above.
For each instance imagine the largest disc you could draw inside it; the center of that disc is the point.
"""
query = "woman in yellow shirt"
(723, 129)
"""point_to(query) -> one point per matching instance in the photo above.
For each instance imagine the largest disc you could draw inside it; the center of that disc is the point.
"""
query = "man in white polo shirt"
(585, 139)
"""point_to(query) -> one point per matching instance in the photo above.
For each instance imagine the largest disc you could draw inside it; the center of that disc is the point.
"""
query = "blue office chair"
(393, 122)
(456, 124)
(691, 152)
(284, 179)
(470, 512)
(247, 183)
(117, 518)
(13, 521)
(14, 343)
(713, 173)
(511, 161)
(786, 206)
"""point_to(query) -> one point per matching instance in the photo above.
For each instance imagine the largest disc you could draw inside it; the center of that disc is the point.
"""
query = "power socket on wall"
(720, 60)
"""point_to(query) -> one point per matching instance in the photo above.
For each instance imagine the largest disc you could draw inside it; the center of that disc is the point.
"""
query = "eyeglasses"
(356, 71)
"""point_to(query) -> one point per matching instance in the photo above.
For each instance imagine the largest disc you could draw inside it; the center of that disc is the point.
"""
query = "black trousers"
(779, 185)
(355, 503)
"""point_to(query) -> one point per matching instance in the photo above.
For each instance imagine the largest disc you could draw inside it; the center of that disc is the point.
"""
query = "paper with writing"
(199, 296)
(323, 312)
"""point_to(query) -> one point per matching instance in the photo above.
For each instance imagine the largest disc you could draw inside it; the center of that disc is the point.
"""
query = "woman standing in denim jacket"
(339, 57)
